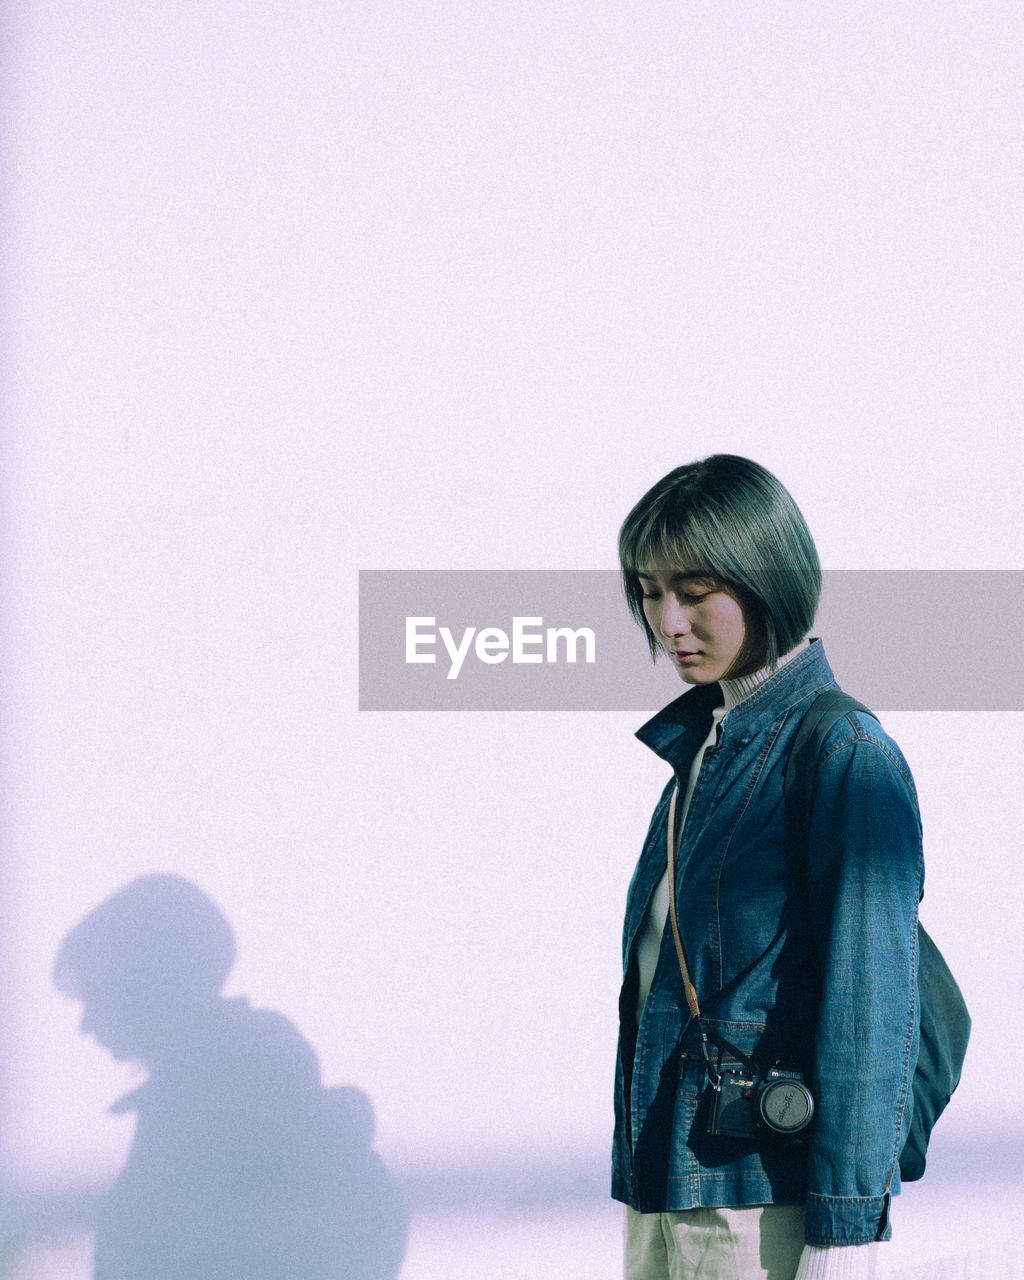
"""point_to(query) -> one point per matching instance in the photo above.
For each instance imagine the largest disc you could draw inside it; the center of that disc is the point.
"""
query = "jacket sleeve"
(865, 873)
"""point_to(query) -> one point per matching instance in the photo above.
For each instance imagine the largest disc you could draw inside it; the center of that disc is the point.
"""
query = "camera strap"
(714, 1075)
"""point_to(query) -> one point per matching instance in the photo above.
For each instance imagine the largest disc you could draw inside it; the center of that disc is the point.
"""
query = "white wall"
(298, 290)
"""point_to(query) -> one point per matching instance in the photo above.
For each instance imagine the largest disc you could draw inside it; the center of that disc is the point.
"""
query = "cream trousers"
(756, 1242)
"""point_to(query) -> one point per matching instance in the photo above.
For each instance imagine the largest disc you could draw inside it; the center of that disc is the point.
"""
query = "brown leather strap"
(714, 1074)
(688, 987)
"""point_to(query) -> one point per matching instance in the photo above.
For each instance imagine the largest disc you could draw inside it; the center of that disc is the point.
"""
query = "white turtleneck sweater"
(836, 1262)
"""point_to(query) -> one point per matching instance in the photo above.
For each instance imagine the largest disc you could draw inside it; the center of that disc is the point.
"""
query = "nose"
(675, 617)
(87, 1023)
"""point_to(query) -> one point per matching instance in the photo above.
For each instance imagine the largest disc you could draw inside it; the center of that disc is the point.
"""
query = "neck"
(742, 687)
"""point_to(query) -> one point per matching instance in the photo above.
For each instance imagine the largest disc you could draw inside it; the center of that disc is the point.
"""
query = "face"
(699, 622)
(131, 1024)
(113, 1023)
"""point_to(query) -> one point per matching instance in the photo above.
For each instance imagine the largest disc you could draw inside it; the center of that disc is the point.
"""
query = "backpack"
(945, 1022)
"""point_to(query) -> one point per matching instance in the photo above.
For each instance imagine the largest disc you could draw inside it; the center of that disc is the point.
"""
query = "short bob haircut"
(728, 518)
(160, 936)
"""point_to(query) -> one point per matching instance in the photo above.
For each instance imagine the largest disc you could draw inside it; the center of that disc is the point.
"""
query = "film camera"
(744, 1105)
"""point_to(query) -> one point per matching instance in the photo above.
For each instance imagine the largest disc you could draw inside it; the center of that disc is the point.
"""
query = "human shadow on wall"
(243, 1165)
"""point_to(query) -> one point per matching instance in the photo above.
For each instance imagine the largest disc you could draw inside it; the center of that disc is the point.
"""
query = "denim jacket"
(803, 953)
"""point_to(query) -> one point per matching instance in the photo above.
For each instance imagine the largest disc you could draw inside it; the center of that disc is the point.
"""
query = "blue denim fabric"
(801, 956)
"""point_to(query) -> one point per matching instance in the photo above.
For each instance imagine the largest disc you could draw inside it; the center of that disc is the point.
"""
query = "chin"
(120, 1053)
(699, 677)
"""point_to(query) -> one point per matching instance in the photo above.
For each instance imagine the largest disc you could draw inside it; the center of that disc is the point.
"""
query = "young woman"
(765, 1060)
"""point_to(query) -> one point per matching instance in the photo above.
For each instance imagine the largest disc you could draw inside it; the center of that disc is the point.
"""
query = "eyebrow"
(692, 575)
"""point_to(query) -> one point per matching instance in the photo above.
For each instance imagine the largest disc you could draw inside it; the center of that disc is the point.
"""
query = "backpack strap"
(945, 1024)
(821, 715)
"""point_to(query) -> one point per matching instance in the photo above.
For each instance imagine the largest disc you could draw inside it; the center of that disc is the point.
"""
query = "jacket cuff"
(835, 1220)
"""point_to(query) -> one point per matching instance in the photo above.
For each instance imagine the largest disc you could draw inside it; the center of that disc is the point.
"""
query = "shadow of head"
(145, 964)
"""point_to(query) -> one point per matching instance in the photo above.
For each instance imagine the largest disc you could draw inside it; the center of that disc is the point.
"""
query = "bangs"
(674, 539)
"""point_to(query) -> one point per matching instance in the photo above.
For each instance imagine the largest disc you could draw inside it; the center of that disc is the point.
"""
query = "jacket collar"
(677, 730)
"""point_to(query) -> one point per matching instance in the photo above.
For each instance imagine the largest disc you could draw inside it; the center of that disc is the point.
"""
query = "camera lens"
(786, 1106)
